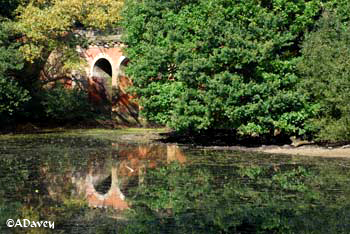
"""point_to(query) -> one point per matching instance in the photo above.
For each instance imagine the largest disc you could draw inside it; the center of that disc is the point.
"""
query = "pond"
(87, 182)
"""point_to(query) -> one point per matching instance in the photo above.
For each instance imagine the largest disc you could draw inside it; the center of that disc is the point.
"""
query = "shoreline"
(307, 150)
(156, 135)
(313, 151)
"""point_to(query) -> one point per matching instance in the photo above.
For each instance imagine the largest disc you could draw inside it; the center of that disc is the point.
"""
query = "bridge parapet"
(107, 38)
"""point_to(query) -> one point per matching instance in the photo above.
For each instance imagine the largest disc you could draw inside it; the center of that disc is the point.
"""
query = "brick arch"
(113, 198)
(94, 53)
(124, 107)
(104, 65)
(100, 88)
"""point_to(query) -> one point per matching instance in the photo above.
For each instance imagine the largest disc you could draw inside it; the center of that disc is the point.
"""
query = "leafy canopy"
(201, 64)
(326, 70)
(12, 96)
(49, 24)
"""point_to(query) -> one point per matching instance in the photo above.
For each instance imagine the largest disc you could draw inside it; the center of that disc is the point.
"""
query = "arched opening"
(102, 68)
(123, 81)
(100, 87)
(104, 186)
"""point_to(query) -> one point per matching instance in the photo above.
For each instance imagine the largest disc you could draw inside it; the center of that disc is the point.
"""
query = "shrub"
(62, 104)
(211, 64)
(12, 97)
(326, 69)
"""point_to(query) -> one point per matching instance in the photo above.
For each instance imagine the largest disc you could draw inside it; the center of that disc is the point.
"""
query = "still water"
(91, 184)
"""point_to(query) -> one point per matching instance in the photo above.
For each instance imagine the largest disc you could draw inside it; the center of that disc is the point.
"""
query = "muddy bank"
(310, 150)
(343, 151)
(222, 142)
(230, 140)
(305, 150)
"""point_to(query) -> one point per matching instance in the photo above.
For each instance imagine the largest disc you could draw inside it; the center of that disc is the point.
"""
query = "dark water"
(90, 185)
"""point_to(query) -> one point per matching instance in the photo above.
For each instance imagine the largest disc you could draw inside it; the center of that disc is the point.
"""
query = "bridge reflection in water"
(106, 182)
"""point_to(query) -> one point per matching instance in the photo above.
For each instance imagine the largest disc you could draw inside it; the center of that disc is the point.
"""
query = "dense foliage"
(29, 32)
(326, 71)
(202, 64)
(62, 104)
(12, 95)
(195, 64)
(48, 25)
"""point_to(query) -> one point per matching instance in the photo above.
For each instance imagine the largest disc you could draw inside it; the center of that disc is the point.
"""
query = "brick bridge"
(105, 75)
(102, 75)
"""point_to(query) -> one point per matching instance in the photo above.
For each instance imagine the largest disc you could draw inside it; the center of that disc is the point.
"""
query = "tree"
(12, 95)
(44, 26)
(50, 25)
(204, 64)
(326, 70)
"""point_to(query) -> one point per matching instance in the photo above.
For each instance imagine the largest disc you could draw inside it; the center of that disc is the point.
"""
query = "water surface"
(90, 183)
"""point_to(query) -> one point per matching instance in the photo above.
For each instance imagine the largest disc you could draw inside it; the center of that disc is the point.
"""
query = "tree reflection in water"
(150, 188)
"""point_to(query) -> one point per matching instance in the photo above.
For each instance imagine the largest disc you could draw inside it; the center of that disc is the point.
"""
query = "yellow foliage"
(47, 24)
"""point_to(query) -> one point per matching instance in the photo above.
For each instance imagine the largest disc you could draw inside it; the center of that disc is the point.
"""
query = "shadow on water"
(223, 137)
(87, 185)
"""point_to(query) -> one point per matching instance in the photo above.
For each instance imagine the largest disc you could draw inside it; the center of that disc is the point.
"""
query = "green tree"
(202, 64)
(326, 71)
(12, 95)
